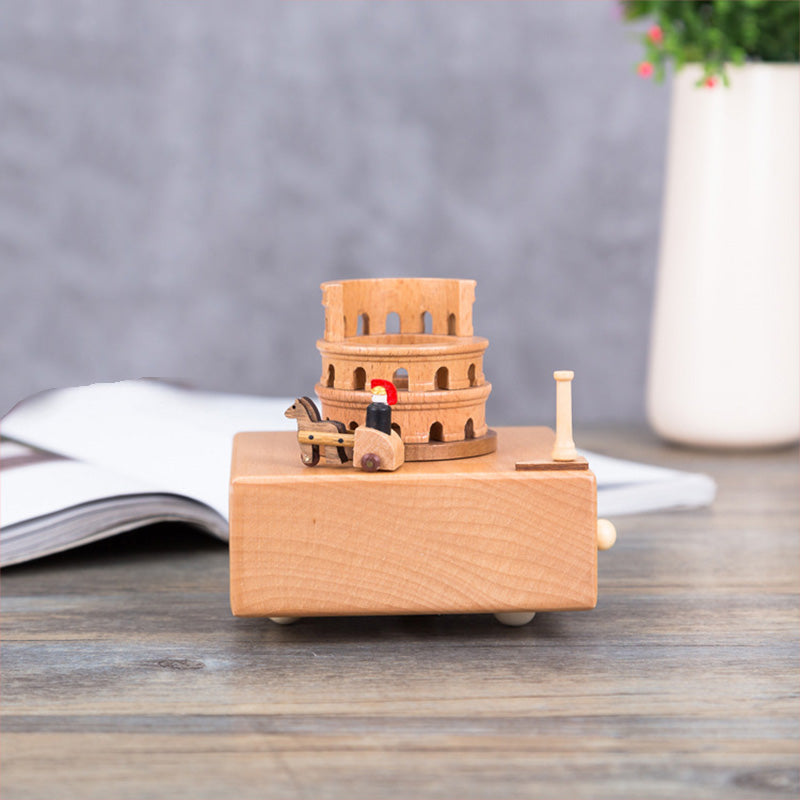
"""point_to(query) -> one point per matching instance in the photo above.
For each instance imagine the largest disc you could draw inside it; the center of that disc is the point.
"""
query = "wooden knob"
(370, 462)
(606, 534)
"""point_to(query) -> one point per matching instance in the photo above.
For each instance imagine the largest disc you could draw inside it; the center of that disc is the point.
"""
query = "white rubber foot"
(515, 618)
(284, 620)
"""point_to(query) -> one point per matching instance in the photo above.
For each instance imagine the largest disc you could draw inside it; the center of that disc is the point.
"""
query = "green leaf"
(716, 32)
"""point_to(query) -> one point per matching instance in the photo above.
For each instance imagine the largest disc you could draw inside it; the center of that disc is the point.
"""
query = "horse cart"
(366, 447)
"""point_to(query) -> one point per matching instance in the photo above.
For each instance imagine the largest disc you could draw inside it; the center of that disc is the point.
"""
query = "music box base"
(474, 535)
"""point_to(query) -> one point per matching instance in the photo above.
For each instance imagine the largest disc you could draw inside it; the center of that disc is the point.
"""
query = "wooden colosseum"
(430, 354)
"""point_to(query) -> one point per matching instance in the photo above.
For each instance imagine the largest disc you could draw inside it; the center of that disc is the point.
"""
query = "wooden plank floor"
(125, 676)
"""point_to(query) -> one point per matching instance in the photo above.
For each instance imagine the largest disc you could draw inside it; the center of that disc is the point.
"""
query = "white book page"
(628, 487)
(616, 472)
(39, 489)
(160, 435)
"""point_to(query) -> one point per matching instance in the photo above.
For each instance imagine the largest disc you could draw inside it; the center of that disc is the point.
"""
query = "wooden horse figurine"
(305, 411)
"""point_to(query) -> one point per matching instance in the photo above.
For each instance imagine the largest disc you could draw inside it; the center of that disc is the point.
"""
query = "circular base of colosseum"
(444, 451)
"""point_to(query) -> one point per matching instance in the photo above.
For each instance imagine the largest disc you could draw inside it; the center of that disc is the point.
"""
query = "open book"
(77, 465)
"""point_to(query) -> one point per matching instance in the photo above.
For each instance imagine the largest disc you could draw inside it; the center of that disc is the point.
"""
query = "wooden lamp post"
(564, 447)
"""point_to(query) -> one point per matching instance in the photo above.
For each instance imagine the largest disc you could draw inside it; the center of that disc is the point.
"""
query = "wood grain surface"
(124, 674)
(465, 536)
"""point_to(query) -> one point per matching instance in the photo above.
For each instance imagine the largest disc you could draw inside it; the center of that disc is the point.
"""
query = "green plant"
(714, 33)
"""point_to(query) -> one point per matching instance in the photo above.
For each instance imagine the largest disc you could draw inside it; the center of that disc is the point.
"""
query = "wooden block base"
(468, 536)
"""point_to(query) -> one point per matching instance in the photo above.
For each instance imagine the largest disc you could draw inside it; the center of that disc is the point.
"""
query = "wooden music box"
(418, 507)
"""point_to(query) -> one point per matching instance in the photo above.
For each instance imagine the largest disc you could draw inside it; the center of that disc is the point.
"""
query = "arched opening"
(396, 428)
(359, 379)
(436, 433)
(400, 379)
(393, 322)
(442, 378)
(353, 425)
(331, 376)
(471, 374)
(451, 325)
(427, 322)
(363, 324)
(469, 429)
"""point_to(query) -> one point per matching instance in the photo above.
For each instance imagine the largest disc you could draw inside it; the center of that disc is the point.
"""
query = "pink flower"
(655, 34)
(711, 82)
(645, 69)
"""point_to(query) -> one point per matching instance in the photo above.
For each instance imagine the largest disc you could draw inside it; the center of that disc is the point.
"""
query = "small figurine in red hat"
(379, 411)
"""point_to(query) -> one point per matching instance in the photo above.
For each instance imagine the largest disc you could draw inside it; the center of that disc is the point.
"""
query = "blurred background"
(176, 179)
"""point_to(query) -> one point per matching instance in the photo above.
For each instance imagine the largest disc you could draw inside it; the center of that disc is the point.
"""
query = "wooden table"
(125, 676)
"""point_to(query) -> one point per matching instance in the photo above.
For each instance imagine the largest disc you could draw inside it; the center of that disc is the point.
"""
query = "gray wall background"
(177, 178)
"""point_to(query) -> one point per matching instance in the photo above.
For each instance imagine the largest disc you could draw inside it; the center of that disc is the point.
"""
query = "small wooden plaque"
(468, 536)
(579, 462)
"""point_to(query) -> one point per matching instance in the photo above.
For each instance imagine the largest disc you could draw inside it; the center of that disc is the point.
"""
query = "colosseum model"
(417, 333)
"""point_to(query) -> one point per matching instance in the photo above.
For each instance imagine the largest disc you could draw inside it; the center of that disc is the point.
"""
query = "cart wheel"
(370, 462)
(312, 459)
(515, 618)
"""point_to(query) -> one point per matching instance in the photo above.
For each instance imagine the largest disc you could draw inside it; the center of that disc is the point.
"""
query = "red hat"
(391, 392)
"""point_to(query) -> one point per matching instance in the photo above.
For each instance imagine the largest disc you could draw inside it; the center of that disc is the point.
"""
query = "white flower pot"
(725, 347)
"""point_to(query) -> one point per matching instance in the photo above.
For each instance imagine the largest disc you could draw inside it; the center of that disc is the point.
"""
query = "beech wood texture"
(447, 451)
(383, 451)
(325, 439)
(472, 535)
(447, 300)
(124, 674)
(434, 360)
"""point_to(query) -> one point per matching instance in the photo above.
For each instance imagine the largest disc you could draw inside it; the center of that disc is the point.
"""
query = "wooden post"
(564, 447)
